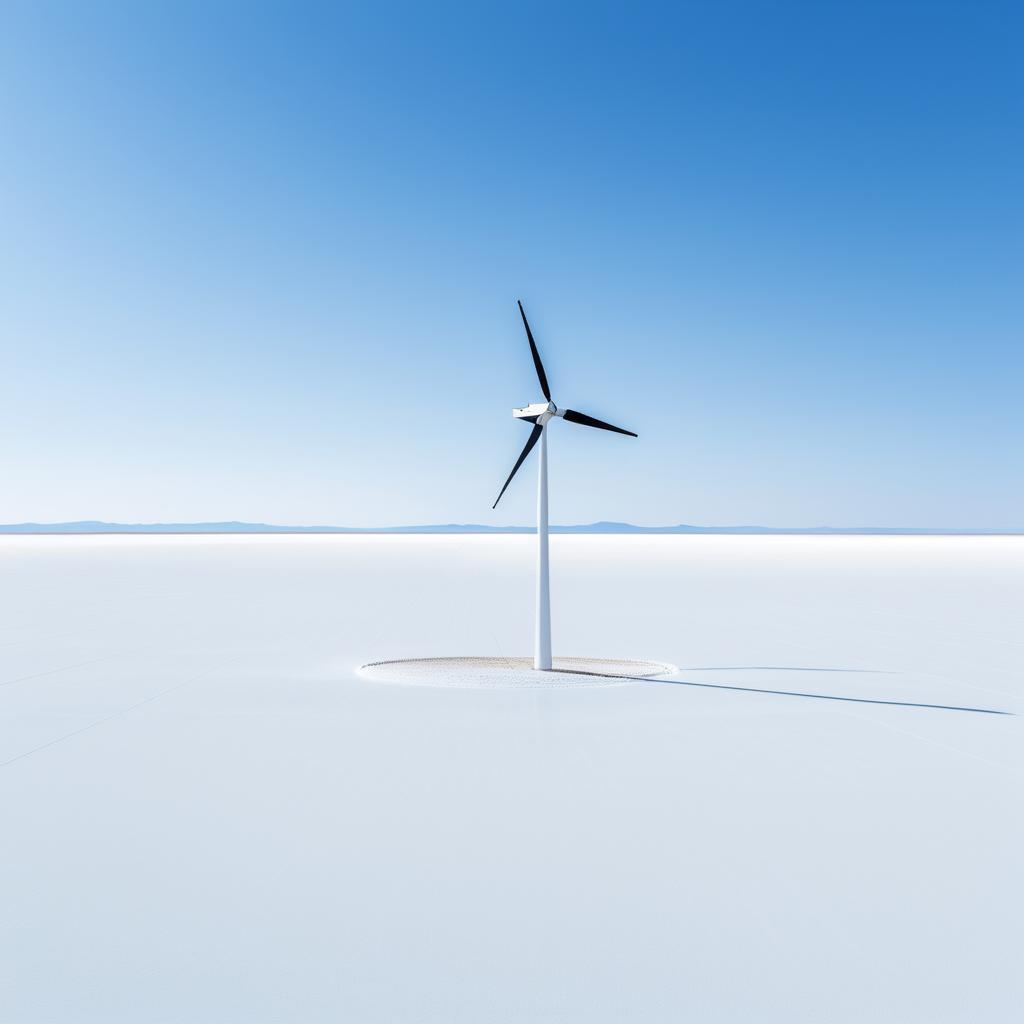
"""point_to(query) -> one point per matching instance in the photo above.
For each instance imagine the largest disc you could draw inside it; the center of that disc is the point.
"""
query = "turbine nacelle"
(539, 412)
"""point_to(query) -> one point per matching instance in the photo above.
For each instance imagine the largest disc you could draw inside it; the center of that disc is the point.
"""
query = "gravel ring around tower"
(481, 673)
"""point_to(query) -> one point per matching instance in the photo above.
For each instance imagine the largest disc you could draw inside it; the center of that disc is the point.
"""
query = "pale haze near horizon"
(262, 264)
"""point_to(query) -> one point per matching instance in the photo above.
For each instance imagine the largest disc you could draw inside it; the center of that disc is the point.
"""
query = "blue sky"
(260, 261)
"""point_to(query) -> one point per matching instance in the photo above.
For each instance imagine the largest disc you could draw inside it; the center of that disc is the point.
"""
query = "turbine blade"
(531, 441)
(541, 375)
(588, 421)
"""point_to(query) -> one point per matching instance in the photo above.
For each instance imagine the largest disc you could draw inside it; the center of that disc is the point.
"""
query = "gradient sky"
(260, 261)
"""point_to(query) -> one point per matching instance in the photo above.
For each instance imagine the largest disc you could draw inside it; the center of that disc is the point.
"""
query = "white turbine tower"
(540, 414)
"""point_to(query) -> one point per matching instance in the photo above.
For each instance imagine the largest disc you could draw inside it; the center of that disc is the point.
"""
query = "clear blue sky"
(260, 261)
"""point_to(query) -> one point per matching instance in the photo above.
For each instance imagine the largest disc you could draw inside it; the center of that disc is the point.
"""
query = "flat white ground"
(208, 817)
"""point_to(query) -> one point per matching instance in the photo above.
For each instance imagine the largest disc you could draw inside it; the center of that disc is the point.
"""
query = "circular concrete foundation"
(514, 673)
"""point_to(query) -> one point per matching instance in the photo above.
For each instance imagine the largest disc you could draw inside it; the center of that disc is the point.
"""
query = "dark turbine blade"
(541, 376)
(589, 421)
(531, 441)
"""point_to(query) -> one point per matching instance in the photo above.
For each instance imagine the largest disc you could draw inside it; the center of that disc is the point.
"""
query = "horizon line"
(95, 526)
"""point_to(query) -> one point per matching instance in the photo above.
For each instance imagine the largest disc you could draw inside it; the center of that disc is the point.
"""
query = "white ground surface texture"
(208, 815)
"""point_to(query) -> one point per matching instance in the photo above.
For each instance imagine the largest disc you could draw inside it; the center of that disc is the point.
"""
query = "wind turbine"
(540, 414)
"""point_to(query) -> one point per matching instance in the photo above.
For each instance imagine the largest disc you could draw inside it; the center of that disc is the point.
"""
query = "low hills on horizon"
(90, 526)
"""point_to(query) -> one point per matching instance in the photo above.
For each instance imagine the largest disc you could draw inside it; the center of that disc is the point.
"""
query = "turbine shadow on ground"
(789, 693)
(785, 668)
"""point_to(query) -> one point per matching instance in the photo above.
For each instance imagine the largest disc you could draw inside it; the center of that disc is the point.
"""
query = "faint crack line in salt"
(53, 671)
(927, 739)
(116, 714)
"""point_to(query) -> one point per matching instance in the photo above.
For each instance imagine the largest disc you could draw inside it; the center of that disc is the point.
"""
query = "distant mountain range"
(95, 526)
